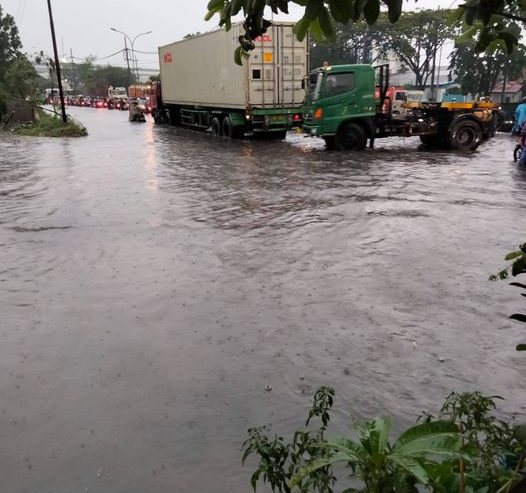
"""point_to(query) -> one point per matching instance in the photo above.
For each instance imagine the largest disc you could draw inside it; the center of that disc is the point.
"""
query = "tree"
(490, 18)
(353, 44)
(10, 44)
(416, 40)
(21, 80)
(479, 72)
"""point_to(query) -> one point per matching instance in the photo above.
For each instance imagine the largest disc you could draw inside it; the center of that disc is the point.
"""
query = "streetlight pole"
(132, 42)
(57, 63)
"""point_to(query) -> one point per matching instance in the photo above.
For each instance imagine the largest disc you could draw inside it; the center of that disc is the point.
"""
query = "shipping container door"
(292, 66)
(262, 71)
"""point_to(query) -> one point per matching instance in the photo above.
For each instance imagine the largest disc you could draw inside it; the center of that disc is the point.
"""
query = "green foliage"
(517, 267)
(10, 44)
(416, 40)
(51, 126)
(21, 79)
(496, 448)
(280, 461)
(321, 16)
(353, 44)
(17, 77)
(464, 448)
(479, 72)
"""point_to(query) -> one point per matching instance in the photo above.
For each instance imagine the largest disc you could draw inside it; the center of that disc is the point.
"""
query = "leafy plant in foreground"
(495, 448)
(464, 449)
(517, 267)
(280, 461)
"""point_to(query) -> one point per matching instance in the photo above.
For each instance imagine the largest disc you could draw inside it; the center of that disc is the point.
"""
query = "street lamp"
(132, 41)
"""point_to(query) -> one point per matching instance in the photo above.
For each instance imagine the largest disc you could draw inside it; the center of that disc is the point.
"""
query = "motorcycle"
(136, 114)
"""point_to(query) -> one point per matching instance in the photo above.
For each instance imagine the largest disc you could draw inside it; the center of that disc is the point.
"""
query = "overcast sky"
(84, 26)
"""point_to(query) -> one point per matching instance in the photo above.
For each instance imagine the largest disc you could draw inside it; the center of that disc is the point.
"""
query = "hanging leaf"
(301, 27)
(237, 56)
(327, 24)
(371, 11)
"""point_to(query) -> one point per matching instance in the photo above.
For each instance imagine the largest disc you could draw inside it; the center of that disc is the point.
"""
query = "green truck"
(348, 106)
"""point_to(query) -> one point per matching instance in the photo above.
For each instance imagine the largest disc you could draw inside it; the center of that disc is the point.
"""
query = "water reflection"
(154, 280)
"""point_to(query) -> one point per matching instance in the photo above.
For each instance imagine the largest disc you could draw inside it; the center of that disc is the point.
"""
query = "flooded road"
(154, 280)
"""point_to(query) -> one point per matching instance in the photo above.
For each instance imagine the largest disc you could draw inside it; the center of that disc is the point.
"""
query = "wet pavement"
(154, 280)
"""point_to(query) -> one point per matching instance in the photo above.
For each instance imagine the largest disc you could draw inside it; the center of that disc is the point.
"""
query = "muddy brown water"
(154, 280)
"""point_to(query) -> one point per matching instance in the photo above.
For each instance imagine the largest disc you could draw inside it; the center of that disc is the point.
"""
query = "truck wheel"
(228, 128)
(465, 136)
(351, 137)
(216, 126)
(330, 142)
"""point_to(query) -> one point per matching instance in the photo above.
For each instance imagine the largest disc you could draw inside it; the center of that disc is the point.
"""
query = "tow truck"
(348, 105)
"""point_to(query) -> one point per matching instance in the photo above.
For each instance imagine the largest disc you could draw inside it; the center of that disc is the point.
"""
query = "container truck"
(202, 87)
(139, 91)
(347, 105)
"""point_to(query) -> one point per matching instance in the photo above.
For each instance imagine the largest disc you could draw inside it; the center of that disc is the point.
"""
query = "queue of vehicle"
(347, 106)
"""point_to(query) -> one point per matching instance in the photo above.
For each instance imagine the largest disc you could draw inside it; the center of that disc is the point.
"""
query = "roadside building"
(511, 93)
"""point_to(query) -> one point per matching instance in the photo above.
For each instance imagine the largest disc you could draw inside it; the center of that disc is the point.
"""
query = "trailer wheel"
(351, 137)
(465, 136)
(216, 126)
(228, 128)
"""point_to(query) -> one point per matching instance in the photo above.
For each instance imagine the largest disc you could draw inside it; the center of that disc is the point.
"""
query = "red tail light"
(297, 117)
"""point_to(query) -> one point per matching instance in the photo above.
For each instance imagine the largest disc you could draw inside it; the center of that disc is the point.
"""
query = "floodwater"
(154, 280)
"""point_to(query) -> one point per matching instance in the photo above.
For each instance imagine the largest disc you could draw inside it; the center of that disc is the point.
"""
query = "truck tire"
(330, 143)
(433, 141)
(351, 137)
(231, 131)
(216, 126)
(465, 135)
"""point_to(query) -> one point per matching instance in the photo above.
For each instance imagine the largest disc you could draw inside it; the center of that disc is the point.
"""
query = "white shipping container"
(200, 71)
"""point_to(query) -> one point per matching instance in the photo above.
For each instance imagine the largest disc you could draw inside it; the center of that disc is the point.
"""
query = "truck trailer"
(202, 87)
(347, 105)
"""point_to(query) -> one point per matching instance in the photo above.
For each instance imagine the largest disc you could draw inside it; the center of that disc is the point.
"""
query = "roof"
(513, 86)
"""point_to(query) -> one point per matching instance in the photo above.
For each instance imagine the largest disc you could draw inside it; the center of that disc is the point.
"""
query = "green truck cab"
(347, 105)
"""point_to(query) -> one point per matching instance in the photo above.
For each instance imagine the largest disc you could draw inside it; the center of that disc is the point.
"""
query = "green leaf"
(412, 466)
(513, 255)
(237, 56)
(236, 6)
(327, 24)
(215, 4)
(470, 15)
(371, 11)
(340, 10)
(435, 437)
(394, 10)
(301, 28)
(211, 13)
(519, 266)
(315, 465)
(313, 9)
(519, 317)
(316, 30)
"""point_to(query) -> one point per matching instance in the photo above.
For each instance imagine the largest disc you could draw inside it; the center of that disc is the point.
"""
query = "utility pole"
(57, 63)
(73, 75)
(127, 56)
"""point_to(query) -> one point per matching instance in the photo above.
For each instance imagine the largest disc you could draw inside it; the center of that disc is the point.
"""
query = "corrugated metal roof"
(513, 87)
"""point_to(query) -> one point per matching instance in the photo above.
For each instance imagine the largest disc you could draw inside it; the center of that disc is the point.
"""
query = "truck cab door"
(340, 99)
